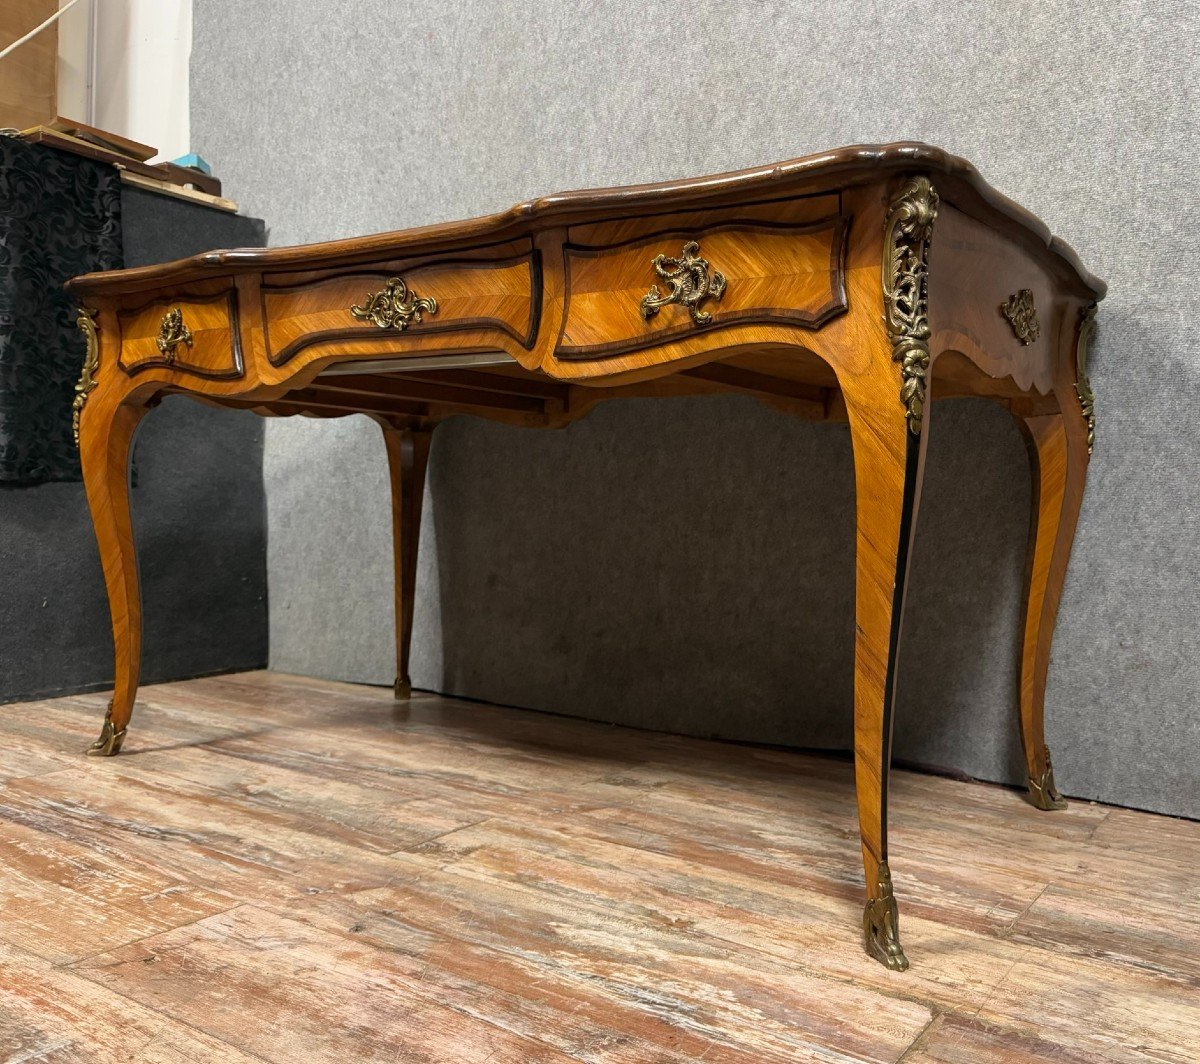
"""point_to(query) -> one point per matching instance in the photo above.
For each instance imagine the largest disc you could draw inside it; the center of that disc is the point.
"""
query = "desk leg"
(105, 436)
(408, 455)
(888, 467)
(1058, 462)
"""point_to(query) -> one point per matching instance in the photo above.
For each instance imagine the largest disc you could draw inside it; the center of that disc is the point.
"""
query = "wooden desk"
(828, 287)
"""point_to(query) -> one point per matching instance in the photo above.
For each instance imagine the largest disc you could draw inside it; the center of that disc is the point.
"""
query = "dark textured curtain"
(60, 215)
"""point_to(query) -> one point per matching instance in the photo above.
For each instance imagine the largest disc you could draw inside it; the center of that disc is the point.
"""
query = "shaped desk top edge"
(553, 280)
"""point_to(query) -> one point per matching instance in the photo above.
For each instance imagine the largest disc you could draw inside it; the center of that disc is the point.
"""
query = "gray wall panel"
(398, 113)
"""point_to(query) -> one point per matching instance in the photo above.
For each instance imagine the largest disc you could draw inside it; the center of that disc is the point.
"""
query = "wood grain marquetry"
(977, 270)
(784, 275)
(214, 350)
(861, 285)
(775, 270)
(490, 294)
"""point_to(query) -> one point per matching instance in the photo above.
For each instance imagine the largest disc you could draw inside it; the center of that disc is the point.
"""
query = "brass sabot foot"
(1042, 792)
(881, 925)
(110, 739)
(403, 689)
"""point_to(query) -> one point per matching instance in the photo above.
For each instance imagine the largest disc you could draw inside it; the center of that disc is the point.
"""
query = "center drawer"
(400, 305)
(776, 265)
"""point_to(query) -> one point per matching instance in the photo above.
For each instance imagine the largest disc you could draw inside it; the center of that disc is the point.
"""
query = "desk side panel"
(995, 304)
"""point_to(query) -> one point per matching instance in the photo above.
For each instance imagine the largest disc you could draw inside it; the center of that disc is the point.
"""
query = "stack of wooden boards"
(130, 158)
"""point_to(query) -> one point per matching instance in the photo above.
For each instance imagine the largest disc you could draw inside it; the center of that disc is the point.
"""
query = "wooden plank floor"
(285, 869)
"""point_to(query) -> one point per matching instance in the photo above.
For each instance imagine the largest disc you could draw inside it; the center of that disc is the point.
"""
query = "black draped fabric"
(60, 215)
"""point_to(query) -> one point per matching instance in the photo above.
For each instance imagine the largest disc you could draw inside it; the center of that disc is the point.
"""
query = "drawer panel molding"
(431, 298)
(197, 335)
(750, 272)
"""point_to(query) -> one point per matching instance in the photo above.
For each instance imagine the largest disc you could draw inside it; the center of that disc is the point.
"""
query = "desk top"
(957, 180)
(785, 282)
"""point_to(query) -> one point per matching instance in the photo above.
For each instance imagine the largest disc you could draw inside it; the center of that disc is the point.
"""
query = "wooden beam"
(308, 399)
(760, 385)
(418, 388)
(496, 382)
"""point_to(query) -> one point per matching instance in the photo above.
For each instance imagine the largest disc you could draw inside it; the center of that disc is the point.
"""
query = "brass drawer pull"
(690, 284)
(393, 308)
(171, 333)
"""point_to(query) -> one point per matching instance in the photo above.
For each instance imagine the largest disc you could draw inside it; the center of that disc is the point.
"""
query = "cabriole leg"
(888, 465)
(1058, 464)
(408, 455)
(105, 436)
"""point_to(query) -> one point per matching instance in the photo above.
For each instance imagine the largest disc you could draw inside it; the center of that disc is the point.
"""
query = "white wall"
(123, 66)
(75, 59)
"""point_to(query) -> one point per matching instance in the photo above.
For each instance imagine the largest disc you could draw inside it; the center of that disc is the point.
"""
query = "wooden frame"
(927, 256)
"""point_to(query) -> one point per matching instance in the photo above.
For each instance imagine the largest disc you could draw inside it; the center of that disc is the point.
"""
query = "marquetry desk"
(830, 287)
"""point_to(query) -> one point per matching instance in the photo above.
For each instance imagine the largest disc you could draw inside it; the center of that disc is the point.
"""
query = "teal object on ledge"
(194, 162)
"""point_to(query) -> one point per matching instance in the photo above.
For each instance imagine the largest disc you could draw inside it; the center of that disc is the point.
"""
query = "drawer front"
(655, 288)
(197, 335)
(399, 304)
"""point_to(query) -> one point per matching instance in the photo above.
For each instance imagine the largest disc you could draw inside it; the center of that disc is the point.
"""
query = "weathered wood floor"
(289, 870)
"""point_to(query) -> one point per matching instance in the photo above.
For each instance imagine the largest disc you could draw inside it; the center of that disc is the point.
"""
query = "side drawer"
(193, 334)
(621, 297)
(399, 303)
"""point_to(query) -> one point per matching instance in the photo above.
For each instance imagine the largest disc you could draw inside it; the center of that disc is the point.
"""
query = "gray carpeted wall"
(687, 565)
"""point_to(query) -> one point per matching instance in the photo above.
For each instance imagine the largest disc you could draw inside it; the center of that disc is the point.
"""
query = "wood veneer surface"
(288, 869)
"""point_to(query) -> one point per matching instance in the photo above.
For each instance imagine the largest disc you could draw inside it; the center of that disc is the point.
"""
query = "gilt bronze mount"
(691, 284)
(171, 333)
(908, 230)
(881, 924)
(1042, 791)
(110, 739)
(1083, 384)
(395, 307)
(91, 364)
(1022, 316)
